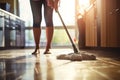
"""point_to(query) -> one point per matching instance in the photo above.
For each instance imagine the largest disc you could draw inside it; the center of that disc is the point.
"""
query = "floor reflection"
(50, 71)
(43, 71)
(37, 69)
(11, 69)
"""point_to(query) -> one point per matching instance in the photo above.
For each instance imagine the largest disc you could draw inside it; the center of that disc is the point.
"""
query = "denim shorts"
(36, 7)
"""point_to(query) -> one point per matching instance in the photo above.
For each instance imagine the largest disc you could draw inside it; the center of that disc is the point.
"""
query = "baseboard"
(116, 49)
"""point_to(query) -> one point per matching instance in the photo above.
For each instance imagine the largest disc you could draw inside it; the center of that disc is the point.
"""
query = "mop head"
(76, 56)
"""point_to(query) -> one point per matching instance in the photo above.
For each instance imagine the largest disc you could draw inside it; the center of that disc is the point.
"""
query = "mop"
(77, 55)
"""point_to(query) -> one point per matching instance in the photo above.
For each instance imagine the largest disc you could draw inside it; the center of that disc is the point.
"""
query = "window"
(60, 38)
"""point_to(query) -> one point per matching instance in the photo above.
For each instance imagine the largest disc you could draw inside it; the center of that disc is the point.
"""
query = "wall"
(102, 24)
(109, 26)
(91, 26)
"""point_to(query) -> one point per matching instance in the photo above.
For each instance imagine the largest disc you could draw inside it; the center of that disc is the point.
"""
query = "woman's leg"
(48, 14)
(49, 36)
(37, 16)
(36, 33)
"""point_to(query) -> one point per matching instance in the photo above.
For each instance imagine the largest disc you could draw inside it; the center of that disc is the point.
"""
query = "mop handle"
(74, 47)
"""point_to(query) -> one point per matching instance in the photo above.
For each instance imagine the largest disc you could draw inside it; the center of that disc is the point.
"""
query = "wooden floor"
(21, 65)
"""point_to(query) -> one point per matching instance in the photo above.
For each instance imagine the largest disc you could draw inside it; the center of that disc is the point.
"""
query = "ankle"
(37, 47)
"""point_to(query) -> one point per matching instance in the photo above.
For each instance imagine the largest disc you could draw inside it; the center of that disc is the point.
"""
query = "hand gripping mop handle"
(73, 45)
